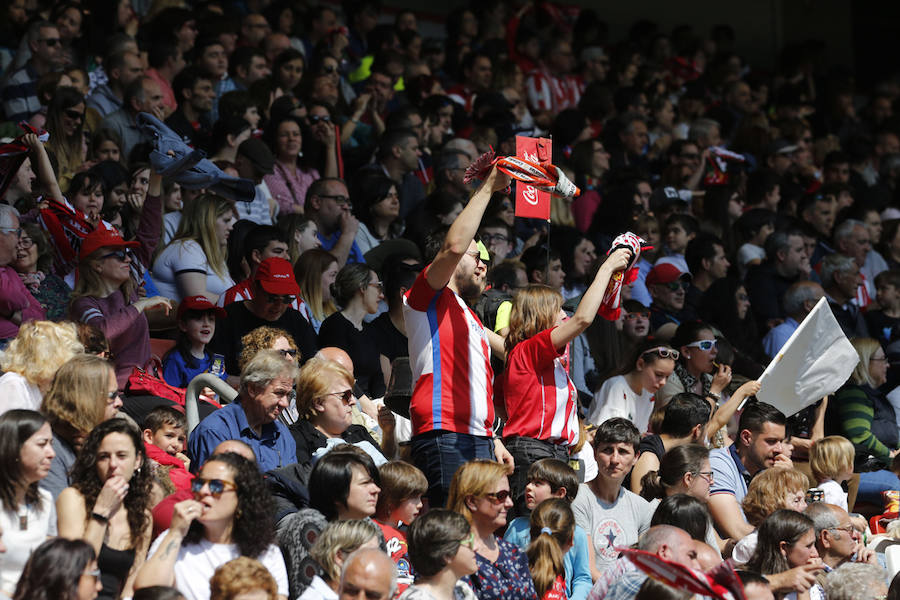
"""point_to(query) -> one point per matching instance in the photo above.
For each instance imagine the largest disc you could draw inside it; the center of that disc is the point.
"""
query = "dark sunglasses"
(119, 255)
(498, 497)
(316, 118)
(344, 396)
(676, 285)
(274, 298)
(73, 114)
(292, 353)
(634, 316)
(217, 487)
(329, 70)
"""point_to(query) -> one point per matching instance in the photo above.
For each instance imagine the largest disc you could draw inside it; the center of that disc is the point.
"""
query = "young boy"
(399, 503)
(884, 323)
(679, 230)
(164, 438)
(197, 324)
(552, 478)
(831, 462)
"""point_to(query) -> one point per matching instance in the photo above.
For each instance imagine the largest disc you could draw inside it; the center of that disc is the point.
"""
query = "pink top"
(288, 185)
(14, 296)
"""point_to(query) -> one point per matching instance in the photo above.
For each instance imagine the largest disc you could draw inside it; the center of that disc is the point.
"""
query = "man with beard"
(761, 432)
(451, 409)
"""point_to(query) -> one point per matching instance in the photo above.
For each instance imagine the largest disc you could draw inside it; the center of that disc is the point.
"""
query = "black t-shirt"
(652, 443)
(240, 321)
(337, 331)
(882, 327)
(388, 338)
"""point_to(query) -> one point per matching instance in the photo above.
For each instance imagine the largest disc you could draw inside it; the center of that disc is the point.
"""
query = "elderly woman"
(265, 390)
(83, 394)
(441, 550)
(34, 260)
(325, 405)
(480, 493)
(32, 359)
(861, 413)
(231, 515)
(336, 542)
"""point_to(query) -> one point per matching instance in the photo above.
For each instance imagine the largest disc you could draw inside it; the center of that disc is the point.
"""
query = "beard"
(470, 288)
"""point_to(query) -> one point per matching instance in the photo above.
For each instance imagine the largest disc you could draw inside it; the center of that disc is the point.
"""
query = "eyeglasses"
(498, 497)
(119, 255)
(874, 358)
(217, 487)
(95, 573)
(490, 238)
(468, 541)
(328, 70)
(75, 115)
(703, 344)
(285, 353)
(112, 396)
(276, 299)
(663, 352)
(377, 284)
(345, 396)
(17, 231)
(339, 200)
(316, 118)
(707, 475)
(25, 242)
(50, 42)
(477, 256)
(848, 529)
(634, 316)
(678, 285)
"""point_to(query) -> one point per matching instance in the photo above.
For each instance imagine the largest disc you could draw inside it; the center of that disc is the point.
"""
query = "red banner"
(532, 203)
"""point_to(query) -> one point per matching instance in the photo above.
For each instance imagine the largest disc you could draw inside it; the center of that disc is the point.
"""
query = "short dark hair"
(702, 247)
(683, 412)
(685, 512)
(259, 237)
(157, 592)
(751, 577)
(617, 431)
(161, 51)
(329, 481)
(391, 139)
(757, 414)
(434, 241)
(161, 416)
(538, 258)
(434, 538)
(556, 473)
(504, 273)
(760, 184)
(243, 57)
(889, 277)
(687, 222)
(186, 79)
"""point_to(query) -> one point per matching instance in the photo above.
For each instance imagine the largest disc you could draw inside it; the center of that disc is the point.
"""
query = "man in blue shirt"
(328, 204)
(266, 384)
(799, 300)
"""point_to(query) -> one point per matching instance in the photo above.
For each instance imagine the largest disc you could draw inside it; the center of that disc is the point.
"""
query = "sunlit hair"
(474, 478)
(866, 348)
(263, 338)
(76, 402)
(265, 367)
(198, 224)
(315, 379)
(400, 481)
(39, 350)
(90, 282)
(341, 537)
(781, 526)
(534, 309)
(687, 458)
(831, 457)
(308, 271)
(239, 576)
(66, 148)
(767, 491)
(290, 225)
(552, 528)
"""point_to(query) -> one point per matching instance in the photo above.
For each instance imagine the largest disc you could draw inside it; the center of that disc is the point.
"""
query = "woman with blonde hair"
(769, 491)
(65, 118)
(193, 263)
(316, 270)
(83, 395)
(479, 491)
(552, 531)
(336, 542)
(539, 395)
(32, 359)
(324, 406)
(861, 413)
(243, 577)
(301, 233)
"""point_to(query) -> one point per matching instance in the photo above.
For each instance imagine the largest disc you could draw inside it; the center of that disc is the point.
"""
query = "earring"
(238, 513)
(687, 356)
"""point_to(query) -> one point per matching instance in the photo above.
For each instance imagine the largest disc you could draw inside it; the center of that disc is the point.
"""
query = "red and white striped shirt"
(540, 397)
(450, 360)
(243, 291)
(549, 92)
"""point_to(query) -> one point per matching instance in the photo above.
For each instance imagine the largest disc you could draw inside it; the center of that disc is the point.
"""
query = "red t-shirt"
(397, 548)
(558, 591)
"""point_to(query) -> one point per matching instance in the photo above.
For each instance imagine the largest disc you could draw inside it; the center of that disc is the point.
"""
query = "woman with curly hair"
(231, 515)
(108, 504)
(242, 578)
(32, 359)
(60, 569)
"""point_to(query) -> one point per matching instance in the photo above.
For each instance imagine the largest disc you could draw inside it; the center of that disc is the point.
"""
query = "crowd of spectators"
(430, 401)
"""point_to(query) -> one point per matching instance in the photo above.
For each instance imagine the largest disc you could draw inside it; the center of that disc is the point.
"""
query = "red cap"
(103, 238)
(665, 273)
(200, 303)
(276, 276)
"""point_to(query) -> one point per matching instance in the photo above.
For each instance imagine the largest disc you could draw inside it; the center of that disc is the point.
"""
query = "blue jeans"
(439, 453)
(872, 483)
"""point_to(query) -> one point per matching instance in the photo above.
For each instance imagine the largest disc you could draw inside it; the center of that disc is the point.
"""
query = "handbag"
(146, 382)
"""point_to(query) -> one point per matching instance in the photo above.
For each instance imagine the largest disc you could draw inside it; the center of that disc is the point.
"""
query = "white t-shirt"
(744, 549)
(186, 256)
(834, 493)
(197, 563)
(18, 392)
(610, 526)
(615, 398)
(318, 590)
(20, 543)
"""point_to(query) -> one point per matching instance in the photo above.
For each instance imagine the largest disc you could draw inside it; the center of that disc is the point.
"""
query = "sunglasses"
(119, 255)
(275, 299)
(292, 353)
(676, 285)
(634, 316)
(345, 396)
(217, 487)
(73, 114)
(703, 344)
(663, 352)
(329, 70)
(316, 118)
(468, 541)
(498, 497)
(112, 396)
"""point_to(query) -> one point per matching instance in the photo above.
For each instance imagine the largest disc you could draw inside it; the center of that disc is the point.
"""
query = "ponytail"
(672, 467)
(652, 486)
(552, 527)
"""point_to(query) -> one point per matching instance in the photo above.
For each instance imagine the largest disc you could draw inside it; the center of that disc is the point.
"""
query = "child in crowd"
(164, 438)
(399, 503)
(197, 324)
(680, 229)
(552, 531)
(831, 461)
(884, 323)
(551, 478)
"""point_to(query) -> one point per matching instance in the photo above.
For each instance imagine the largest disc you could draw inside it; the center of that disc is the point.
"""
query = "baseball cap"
(665, 196)
(103, 238)
(200, 303)
(666, 273)
(276, 276)
(782, 146)
(256, 151)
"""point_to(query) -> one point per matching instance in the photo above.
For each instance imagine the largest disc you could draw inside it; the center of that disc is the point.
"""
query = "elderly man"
(786, 264)
(837, 541)
(856, 581)
(369, 574)
(799, 300)
(141, 95)
(17, 305)
(266, 384)
(841, 280)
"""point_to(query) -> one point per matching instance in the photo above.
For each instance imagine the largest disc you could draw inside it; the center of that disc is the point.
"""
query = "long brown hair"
(90, 283)
(552, 527)
(534, 309)
(76, 402)
(308, 271)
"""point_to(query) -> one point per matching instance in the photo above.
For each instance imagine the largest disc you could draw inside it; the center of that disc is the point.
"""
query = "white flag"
(815, 361)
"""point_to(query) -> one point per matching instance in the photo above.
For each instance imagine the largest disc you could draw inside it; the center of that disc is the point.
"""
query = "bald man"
(369, 574)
